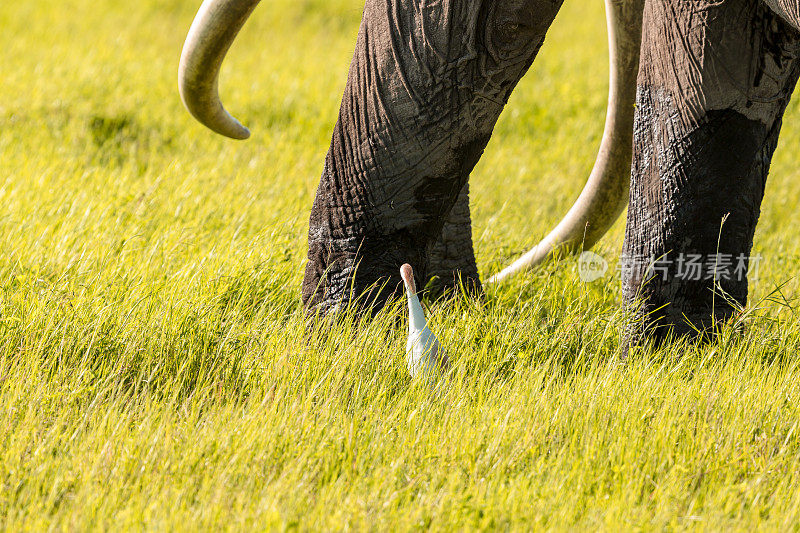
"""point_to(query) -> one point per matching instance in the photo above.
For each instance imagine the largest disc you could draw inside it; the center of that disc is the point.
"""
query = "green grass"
(156, 372)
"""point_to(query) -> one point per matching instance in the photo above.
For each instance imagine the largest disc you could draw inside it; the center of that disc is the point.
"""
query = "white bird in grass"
(424, 354)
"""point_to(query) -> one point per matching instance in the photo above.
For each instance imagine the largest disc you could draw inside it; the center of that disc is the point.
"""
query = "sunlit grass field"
(156, 371)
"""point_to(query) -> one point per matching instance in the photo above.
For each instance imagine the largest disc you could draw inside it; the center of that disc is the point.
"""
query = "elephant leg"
(451, 261)
(426, 87)
(714, 81)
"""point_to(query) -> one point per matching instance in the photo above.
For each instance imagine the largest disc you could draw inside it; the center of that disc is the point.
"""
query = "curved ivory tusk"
(605, 195)
(212, 33)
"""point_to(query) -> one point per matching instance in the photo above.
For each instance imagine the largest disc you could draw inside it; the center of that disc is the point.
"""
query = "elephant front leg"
(714, 82)
(451, 261)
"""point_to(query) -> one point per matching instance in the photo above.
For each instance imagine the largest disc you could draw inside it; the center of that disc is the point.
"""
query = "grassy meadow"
(155, 368)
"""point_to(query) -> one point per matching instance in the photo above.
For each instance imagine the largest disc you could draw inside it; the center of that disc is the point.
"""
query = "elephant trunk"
(605, 195)
(212, 33)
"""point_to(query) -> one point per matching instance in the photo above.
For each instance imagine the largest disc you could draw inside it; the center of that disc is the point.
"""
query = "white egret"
(424, 355)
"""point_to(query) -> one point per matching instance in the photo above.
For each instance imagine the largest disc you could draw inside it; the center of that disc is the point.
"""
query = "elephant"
(697, 93)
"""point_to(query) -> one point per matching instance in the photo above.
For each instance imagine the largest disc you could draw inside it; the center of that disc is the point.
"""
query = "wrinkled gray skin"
(714, 82)
(426, 87)
(428, 82)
